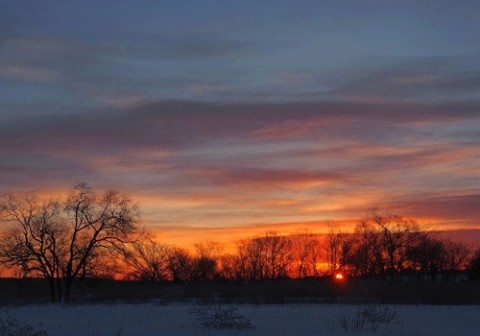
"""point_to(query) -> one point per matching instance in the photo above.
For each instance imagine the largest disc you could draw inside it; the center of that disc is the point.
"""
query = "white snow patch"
(291, 319)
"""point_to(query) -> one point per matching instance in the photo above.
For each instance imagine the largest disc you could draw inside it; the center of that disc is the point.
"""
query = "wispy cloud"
(204, 164)
(25, 73)
(451, 211)
(415, 79)
(195, 46)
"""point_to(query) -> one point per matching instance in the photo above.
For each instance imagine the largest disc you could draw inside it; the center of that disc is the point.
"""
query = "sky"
(225, 118)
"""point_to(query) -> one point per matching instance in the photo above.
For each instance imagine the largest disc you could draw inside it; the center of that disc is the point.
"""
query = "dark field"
(312, 290)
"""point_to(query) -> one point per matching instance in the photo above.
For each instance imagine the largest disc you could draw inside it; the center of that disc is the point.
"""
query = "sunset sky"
(226, 118)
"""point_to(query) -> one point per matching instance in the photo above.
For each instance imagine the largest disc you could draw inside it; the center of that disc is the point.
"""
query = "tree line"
(372, 250)
(93, 234)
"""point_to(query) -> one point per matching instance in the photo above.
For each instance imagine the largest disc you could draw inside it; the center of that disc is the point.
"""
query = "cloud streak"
(212, 164)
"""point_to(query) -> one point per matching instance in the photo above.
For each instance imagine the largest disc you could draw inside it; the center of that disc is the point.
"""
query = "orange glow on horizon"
(229, 236)
(185, 219)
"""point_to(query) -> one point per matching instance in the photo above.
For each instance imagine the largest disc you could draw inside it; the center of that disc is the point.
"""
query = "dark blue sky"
(91, 53)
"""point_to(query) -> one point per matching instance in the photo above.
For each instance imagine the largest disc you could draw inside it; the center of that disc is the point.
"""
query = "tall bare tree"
(96, 222)
(362, 251)
(148, 260)
(266, 257)
(36, 244)
(180, 265)
(386, 245)
(206, 263)
(334, 247)
(395, 232)
(474, 265)
(427, 256)
(305, 253)
(250, 263)
(457, 255)
(61, 241)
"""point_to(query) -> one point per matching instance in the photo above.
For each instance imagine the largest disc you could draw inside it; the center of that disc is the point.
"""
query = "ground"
(290, 319)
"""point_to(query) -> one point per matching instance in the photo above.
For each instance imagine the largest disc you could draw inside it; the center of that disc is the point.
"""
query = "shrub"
(369, 319)
(221, 317)
(13, 327)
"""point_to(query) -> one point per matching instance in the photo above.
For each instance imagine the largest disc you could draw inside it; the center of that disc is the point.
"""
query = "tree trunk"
(51, 285)
(68, 289)
(59, 288)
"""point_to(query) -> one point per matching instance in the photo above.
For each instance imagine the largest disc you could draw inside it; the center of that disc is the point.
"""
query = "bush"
(13, 327)
(370, 319)
(221, 317)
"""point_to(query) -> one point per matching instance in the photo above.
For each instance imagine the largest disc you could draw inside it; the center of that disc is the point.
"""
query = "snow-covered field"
(291, 319)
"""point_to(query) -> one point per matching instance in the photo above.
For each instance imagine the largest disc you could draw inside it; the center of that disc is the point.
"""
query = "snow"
(291, 319)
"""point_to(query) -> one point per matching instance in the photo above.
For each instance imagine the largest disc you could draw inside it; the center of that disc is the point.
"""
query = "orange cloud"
(197, 165)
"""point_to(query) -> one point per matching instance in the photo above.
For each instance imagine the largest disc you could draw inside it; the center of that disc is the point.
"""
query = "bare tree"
(395, 233)
(231, 267)
(362, 251)
(36, 244)
(474, 265)
(305, 248)
(278, 254)
(148, 260)
(334, 248)
(209, 249)
(180, 265)
(427, 256)
(206, 262)
(267, 257)
(383, 245)
(61, 242)
(457, 255)
(250, 262)
(97, 222)
(431, 256)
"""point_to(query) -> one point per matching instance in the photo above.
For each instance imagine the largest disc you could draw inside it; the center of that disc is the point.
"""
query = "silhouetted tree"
(362, 250)
(37, 243)
(427, 255)
(334, 244)
(180, 265)
(230, 269)
(381, 244)
(61, 242)
(305, 254)
(148, 260)
(250, 261)
(204, 269)
(96, 223)
(206, 263)
(474, 266)
(267, 257)
(278, 254)
(395, 233)
(457, 256)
